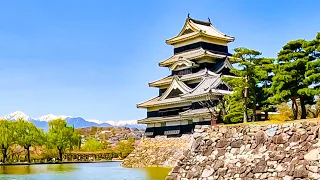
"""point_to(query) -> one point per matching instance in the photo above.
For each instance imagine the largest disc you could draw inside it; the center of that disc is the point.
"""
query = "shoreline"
(67, 162)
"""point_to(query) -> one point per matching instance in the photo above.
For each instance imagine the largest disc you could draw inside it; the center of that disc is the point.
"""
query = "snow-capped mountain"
(50, 117)
(77, 122)
(16, 115)
(129, 123)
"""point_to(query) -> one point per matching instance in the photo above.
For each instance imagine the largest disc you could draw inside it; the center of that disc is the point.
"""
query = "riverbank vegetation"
(22, 141)
(289, 83)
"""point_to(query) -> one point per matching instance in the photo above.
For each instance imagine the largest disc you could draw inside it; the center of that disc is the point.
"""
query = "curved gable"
(177, 87)
(182, 64)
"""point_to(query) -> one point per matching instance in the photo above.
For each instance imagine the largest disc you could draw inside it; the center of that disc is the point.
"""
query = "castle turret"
(200, 60)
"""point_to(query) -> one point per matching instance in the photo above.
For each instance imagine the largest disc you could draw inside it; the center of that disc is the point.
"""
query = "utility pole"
(245, 113)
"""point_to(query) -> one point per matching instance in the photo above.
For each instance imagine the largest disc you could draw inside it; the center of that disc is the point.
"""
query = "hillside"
(110, 135)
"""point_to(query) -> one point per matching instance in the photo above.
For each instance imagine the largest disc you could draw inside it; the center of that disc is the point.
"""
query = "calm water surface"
(85, 171)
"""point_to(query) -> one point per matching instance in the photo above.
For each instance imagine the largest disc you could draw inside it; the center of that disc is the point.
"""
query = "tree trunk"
(266, 115)
(254, 118)
(303, 108)
(294, 109)
(4, 154)
(60, 154)
(28, 153)
(245, 113)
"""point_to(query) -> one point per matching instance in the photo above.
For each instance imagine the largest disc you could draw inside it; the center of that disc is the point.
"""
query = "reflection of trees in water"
(35, 169)
(157, 173)
(22, 169)
(61, 168)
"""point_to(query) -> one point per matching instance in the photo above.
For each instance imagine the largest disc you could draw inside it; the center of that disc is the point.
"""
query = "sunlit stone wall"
(158, 152)
(277, 151)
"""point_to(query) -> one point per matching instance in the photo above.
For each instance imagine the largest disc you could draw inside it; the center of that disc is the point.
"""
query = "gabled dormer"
(183, 63)
(176, 88)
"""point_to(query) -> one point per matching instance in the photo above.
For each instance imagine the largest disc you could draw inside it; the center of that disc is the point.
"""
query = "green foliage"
(16, 138)
(7, 135)
(92, 145)
(62, 136)
(27, 135)
(297, 69)
(235, 110)
(125, 147)
(253, 76)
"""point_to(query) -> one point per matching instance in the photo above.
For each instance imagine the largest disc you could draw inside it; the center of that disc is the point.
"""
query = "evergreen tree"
(297, 68)
(233, 107)
(312, 73)
(263, 75)
(251, 85)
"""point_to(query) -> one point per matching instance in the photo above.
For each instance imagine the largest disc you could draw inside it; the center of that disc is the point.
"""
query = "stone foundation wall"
(280, 151)
(157, 152)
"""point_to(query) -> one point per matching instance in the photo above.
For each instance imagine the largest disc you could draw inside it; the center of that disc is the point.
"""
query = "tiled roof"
(156, 102)
(209, 29)
(193, 54)
(197, 28)
(184, 63)
(203, 88)
(222, 64)
(206, 85)
(186, 77)
(162, 81)
(175, 84)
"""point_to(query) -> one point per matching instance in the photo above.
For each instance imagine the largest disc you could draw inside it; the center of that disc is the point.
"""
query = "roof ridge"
(199, 22)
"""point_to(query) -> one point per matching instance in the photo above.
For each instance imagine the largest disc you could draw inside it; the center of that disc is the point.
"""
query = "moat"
(78, 171)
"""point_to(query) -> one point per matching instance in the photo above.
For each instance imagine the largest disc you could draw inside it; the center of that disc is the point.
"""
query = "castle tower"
(200, 60)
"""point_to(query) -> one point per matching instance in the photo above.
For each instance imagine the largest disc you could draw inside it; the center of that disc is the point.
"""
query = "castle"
(199, 62)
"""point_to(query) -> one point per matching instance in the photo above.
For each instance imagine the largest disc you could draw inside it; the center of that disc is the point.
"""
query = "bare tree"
(212, 100)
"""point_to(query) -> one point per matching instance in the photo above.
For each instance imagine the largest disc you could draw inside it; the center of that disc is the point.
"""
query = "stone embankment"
(157, 152)
(280, 151)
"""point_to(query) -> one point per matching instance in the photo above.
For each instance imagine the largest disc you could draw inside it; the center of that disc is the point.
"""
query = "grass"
(270, 122)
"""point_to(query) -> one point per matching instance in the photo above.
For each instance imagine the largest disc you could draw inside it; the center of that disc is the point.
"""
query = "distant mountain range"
(77, 122)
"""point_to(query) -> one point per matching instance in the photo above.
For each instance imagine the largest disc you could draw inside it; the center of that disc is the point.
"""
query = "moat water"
(85, 171)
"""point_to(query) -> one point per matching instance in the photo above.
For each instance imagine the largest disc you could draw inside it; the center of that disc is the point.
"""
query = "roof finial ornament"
(209, 20)
(188, 15)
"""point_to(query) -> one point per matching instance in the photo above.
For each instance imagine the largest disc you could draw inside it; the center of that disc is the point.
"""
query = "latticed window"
(182, 72)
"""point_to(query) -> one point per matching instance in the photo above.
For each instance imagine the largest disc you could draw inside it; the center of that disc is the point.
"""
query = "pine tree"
(312, 73)
(263, 75)
(297, 68)
(252, 82)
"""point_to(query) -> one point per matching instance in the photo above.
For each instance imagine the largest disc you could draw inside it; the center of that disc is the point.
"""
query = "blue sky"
(94, 59)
